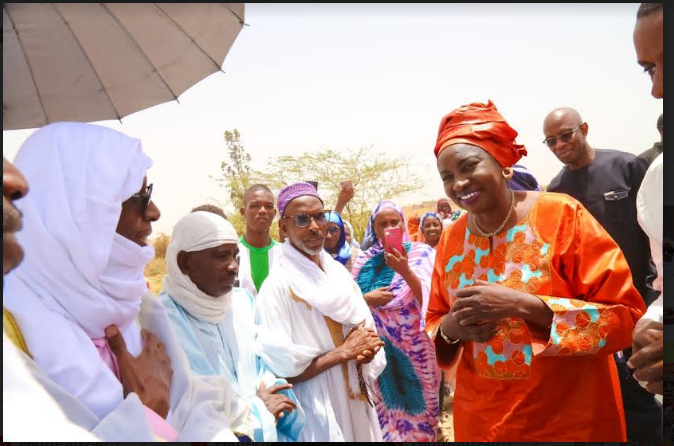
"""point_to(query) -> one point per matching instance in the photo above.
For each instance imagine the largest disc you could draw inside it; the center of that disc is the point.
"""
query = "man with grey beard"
(316, 329)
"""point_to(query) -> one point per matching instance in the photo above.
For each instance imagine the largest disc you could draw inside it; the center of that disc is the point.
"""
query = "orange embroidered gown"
(529, 383)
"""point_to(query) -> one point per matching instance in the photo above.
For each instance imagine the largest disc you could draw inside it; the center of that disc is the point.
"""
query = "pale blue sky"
(302, 77)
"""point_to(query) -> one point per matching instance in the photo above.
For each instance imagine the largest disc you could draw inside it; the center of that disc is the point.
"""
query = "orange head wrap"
(483, 126)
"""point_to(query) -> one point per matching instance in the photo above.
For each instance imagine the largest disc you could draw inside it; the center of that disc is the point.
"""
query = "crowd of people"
(542, 310)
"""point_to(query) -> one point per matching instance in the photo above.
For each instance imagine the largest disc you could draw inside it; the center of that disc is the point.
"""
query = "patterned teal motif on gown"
(399, 383)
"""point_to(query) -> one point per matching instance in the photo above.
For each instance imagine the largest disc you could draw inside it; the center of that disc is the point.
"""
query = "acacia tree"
(375, 177)
(236, 172)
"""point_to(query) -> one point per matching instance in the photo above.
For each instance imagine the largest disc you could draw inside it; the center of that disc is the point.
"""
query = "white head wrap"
(196, 232)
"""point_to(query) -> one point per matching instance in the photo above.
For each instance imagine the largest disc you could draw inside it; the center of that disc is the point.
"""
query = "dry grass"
(154, 273)
(156, 269)
(161, 245)
(446, 427)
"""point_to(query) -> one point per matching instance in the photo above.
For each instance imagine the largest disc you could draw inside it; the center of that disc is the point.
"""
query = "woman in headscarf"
(335, 240)
(80, 298)
(431, 228)
(444, 209)
(414, 228)
(396, 287)
(350, 235)
(531, 297)
(351, 240)
(445, 212)
(215, 322)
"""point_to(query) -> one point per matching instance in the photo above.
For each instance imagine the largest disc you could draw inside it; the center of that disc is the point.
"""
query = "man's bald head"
(566, 114)
(565, 134)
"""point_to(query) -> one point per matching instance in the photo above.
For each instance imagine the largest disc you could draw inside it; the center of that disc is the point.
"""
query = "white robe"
(202, 408)
(30, 413)
(650, 215)
(80, 276)
(226, 349)
(293, 333)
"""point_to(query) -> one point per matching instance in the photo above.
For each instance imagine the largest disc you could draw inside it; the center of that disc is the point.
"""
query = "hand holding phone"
(394, 239)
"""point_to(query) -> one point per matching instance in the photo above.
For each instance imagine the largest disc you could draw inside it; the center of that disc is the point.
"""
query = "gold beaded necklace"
(505, 222)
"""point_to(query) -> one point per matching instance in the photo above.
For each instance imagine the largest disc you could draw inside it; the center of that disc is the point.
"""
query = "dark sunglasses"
(565, 137)
(143, 198)
(304, 220)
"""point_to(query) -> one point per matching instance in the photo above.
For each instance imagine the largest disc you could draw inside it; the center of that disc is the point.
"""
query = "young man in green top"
(257, 250)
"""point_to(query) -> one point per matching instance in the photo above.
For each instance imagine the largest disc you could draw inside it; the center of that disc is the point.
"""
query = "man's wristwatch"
(447, 339)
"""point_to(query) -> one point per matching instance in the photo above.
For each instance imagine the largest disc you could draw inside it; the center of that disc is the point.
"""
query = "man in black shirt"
(606, 182)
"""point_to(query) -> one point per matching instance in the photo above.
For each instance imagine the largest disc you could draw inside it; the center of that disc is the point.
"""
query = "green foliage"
(375, 177)
(236, 172)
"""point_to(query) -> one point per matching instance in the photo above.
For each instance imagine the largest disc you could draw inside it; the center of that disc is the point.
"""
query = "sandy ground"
(446, 428)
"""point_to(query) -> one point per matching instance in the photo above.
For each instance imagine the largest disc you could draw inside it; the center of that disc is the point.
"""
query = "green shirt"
(259, 262)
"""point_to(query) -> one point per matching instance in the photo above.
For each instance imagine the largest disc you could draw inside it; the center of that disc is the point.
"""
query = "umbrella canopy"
(97, 61)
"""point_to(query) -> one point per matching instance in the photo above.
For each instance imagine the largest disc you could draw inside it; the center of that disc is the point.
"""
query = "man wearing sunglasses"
(29, 394)
(102, 342)
(606, 182)
(316, 329)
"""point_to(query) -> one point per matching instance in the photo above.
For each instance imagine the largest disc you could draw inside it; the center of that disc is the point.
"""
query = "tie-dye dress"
(406, 392)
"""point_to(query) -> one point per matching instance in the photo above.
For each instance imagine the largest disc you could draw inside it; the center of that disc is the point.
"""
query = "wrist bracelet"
(446, 338)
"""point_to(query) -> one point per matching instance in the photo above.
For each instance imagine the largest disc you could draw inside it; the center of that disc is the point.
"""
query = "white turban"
(79, 275)
(196, 232)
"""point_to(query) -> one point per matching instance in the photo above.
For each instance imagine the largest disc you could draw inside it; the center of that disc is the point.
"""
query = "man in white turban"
(215, 322)
(80, 300)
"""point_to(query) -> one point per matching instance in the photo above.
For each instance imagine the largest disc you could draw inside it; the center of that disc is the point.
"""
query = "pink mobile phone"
(394, 239)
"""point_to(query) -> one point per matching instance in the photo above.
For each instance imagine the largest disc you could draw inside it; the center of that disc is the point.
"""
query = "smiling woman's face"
(432, 230)
(471, 177)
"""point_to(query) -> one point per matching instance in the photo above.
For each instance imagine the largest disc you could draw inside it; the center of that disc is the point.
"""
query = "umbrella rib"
(86, 56)
(140, 49)
(30, 69)
(234, 14)
(217, 65)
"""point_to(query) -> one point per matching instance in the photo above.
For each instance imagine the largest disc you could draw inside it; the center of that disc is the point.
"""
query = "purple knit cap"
(289, 193)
